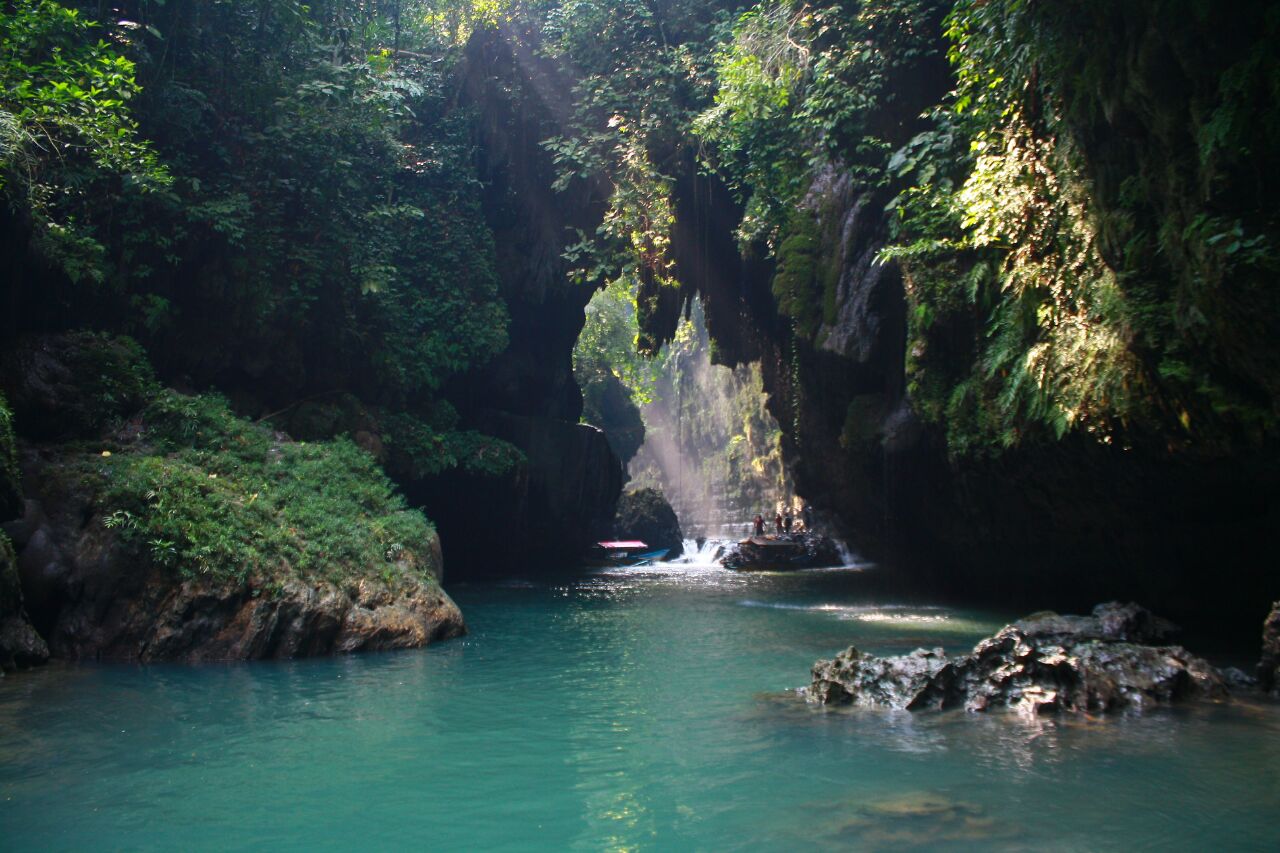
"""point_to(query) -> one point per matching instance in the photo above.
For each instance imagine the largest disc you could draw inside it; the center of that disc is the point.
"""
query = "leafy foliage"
(213, 495)
(1095, 302)
(419, 448)
(65, 128)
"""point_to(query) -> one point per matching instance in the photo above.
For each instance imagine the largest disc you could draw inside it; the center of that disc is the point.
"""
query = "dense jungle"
(354, 325)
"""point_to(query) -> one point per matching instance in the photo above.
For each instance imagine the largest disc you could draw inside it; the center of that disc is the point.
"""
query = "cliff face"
(1068, 521)
(546, 513)
(862, 384)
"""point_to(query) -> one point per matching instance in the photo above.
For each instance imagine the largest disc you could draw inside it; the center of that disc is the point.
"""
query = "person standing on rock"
(787, 522)
(759, 522)
(777, 522)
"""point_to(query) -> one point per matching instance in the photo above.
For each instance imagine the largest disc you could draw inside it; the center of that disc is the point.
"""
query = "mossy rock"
(75, 385)
(645, 514)
(10, 483)
(212, 495)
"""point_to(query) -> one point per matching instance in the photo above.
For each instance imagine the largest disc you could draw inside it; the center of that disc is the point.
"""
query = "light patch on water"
(936, 618)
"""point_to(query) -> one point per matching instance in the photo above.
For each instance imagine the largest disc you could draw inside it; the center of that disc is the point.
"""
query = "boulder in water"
(1042, 664)
(646, 515)
(785, 552)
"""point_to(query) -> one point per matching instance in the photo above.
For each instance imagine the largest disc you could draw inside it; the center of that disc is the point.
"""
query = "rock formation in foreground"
(1044, 663)
(161, 526)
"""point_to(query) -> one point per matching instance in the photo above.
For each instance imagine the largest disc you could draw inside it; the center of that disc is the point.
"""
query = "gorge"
(349, 325)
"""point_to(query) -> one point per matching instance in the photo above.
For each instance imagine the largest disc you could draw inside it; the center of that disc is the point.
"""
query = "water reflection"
(650, 708)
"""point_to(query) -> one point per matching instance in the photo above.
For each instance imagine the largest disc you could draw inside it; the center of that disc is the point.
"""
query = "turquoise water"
(645, 709)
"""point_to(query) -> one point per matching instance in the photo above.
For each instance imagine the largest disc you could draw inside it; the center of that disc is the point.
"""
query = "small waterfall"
(706, 554)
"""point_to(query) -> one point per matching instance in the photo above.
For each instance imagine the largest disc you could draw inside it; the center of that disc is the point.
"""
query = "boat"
(628, 552)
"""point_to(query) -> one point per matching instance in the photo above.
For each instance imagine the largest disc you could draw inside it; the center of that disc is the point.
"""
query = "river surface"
(643, 709)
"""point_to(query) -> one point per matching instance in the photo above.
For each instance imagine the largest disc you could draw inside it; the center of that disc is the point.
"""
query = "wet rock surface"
(1044, 663)
(782, 552)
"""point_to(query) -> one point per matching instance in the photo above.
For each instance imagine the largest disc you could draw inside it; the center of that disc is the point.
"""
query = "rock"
(646, 515)
(914, 820)
(854, 678)
(542, 514)
(1041, 664)
(1269, 664)
(786, 552)
(93, 597)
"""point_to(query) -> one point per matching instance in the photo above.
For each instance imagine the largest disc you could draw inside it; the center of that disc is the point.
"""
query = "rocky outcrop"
(784, 552)
(20, 645)
(1044, 663)
(1269, 665)
(92, 597)
(646, 515)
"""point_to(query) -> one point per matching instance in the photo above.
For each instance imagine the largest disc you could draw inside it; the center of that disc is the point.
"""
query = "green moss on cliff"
(10, 481)
(10, 587)
(796, 285)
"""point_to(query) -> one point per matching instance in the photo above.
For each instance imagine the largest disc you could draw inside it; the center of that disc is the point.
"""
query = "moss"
(10, 480)
(796, 283)
(10, 587)
(209, 494)
(111, 374)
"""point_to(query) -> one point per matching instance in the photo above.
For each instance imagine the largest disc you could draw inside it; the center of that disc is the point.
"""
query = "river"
(641, 709)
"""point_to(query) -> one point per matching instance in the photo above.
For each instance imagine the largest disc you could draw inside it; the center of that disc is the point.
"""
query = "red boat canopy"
(632, 544)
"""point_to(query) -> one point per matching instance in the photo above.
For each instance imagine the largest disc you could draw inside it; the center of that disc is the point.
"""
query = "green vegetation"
(212, 495)
(1073, 194)
(714, 448)
(10, 476)
(1104, 294)
(616, 380)
(278, 199)
(281, 199)
(65, 129)
(418, 448)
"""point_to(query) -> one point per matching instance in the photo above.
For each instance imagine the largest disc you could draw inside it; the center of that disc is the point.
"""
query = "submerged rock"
(919, 819)
(1044, 663)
